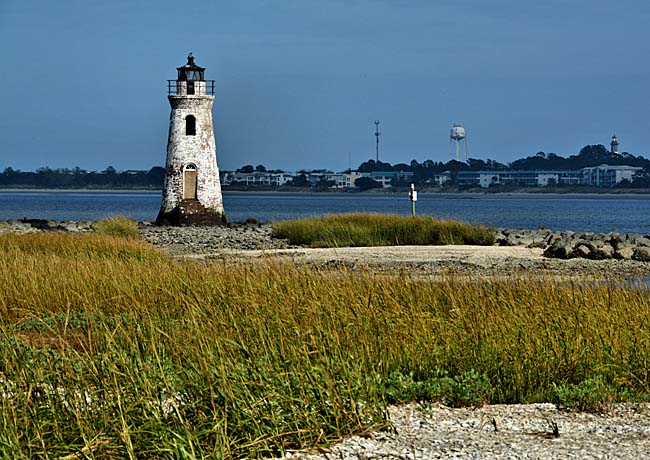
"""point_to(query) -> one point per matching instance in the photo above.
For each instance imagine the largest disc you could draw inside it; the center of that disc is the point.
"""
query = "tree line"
(590, 155)
(79, 178)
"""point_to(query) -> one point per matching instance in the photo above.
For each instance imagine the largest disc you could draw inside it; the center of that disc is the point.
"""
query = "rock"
(624, 252)
(643, 241)
(541, 243)
(553, 238)
(614, 237)
(642, 253)
(606, 251)
(582, 250)
(561, 249)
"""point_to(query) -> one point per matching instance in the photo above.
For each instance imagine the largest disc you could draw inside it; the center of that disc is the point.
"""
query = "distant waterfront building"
(526, 178)
(614, 145)
(608, 176)
(192, 189)
(598, 176)
(256, 178)
(440, 178)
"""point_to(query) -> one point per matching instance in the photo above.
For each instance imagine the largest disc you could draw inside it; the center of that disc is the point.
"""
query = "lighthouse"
(192, 190)
(614, 145)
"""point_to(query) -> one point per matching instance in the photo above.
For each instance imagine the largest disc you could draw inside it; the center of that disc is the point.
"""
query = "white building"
(598, 176)
(256, 178)
(608, 176)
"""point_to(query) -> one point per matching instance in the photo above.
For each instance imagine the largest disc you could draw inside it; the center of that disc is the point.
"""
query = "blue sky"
(300, 82)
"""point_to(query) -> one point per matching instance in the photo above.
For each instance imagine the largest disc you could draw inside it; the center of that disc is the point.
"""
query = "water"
(600, 213)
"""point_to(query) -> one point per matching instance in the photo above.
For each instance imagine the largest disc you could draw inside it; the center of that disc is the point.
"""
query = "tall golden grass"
(117, 226)
(368, 229)
(110, 350)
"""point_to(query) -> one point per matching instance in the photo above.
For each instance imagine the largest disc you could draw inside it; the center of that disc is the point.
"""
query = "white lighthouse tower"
(192, 190)
(614, 145)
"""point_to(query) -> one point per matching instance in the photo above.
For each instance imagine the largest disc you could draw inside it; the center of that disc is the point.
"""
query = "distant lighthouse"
(614, 145)
(192, 190)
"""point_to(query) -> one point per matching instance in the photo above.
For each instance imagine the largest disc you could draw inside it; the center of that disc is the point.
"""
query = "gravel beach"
(530, 431)
(250, 242)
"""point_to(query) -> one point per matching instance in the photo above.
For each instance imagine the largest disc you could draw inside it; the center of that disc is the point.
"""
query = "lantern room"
(190, 81)
(190, 71)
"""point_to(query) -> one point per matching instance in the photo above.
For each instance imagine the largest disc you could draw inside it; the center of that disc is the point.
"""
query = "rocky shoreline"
(587, 245)
(252, 235)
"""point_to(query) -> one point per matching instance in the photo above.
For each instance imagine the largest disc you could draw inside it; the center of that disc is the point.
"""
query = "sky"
(299, 83)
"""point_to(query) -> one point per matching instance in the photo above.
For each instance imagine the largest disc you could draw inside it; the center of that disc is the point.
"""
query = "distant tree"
(402, 181)
(324, 184)
(476, 165)
(372, 165)
(453, 165)
(402, 167)
(260, 168)
(641, 180)
(156, 176)
(366, 183)
(493, 165)
(300, 180)
(246, 169)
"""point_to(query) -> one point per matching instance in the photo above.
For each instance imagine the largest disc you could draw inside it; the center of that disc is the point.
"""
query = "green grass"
(119, 352)
(366, 229)
(117, 226)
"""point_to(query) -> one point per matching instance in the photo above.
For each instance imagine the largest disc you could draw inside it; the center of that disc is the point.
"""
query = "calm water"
(575, 212)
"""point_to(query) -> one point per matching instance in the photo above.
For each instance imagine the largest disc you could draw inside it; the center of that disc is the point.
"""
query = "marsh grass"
(119, 352)
(117, 226)
(367, 229)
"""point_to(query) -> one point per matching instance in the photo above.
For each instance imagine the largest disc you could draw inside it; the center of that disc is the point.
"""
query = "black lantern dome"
(190, 71)
(190, 81)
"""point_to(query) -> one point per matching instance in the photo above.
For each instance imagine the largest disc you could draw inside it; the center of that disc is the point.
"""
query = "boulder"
(624, 252)
(581, 250)
(643, 241)
(614, 237)
(606, 251)
(561, 249)
(642, 253)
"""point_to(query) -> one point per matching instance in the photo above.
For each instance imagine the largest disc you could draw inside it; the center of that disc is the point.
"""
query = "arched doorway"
(189, 182)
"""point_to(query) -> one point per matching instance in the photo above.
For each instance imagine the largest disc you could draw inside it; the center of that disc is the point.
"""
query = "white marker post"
(413, 196)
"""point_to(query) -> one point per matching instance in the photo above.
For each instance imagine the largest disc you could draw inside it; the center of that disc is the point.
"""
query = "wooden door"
(189, 184)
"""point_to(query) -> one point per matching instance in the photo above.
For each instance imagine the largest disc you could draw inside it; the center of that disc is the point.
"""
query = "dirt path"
(440, 260)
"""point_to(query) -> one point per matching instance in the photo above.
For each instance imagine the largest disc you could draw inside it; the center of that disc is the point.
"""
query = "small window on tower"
(190, 125)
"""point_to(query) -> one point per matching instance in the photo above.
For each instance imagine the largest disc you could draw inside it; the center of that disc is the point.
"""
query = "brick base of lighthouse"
(190, 212)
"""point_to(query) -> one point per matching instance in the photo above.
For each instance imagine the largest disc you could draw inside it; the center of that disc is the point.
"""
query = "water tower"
(458, 135)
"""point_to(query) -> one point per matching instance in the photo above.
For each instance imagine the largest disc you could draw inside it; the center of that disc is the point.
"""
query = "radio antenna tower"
(458, 135)
(377, 134)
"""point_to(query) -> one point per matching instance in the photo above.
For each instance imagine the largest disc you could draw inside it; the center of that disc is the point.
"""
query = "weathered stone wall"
(198, 149)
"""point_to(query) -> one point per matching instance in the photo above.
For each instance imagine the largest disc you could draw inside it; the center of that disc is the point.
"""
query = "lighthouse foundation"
(190, 212)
